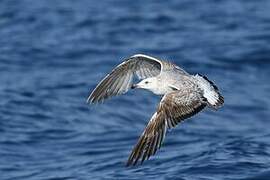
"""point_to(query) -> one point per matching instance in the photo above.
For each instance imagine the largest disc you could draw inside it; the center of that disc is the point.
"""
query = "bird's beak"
(133, 86)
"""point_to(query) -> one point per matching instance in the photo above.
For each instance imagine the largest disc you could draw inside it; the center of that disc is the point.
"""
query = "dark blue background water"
(53, 53)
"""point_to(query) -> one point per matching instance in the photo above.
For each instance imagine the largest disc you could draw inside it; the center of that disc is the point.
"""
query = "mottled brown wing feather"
(120, 79)
(173, 108)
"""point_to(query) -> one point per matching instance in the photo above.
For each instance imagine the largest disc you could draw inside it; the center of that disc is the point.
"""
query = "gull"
(184, 95)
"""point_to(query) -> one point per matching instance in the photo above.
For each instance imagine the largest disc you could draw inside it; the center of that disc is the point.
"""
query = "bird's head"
(148, 83)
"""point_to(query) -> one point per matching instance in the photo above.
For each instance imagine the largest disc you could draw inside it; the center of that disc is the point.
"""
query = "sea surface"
(53, 53)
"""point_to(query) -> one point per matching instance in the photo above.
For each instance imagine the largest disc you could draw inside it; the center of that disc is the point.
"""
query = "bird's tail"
(210, 91)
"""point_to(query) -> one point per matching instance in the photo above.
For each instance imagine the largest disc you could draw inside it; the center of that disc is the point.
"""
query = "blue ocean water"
(53, 53)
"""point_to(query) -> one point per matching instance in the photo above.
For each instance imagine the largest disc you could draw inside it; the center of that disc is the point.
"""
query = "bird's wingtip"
(90, 100)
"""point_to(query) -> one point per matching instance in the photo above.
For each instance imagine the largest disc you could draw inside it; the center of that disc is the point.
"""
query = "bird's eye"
(146, 82)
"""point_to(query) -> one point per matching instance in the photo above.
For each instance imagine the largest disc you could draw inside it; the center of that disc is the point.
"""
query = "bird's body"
(183, 96)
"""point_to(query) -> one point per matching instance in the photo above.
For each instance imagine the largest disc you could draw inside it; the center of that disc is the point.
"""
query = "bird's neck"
(161, 90)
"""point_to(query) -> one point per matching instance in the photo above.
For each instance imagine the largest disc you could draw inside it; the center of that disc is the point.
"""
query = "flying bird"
(183, 96)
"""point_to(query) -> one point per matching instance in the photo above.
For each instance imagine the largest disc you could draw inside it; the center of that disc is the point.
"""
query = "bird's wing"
(120, 79)
(173, 108)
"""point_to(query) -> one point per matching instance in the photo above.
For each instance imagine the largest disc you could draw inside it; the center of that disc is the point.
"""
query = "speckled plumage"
(184, 96)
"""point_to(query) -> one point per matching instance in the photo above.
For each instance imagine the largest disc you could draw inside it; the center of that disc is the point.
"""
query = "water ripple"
(53, 54)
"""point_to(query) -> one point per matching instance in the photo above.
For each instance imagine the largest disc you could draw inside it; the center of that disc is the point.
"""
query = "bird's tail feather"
(211, 92)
